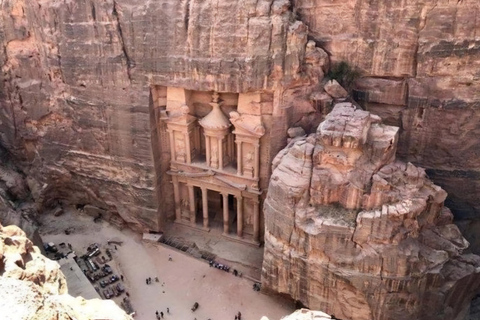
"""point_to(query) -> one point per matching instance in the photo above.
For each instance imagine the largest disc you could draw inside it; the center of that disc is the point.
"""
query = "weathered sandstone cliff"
(76, 81)
(355, 233)
(33, 287)
(420, 63)
(76, 85)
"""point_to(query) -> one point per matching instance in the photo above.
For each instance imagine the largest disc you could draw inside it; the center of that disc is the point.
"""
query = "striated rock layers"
(75, 89)
(357, 234)
(419, 63)
(33, 287)
(78, 114)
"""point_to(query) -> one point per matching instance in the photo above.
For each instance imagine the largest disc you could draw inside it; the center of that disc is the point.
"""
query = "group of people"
(149, 280)
(224, 268)
(238, 316)
(160, 315)
(219, 266)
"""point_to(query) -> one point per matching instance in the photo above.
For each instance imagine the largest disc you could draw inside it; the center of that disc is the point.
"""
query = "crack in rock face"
(356, 233)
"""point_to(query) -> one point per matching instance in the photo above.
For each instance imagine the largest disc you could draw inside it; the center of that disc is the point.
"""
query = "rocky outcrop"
(419, 62)
(354, 232)
(16, 203)
(33, 287)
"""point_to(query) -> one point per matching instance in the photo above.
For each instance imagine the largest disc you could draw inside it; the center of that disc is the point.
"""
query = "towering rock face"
(78, 115)
(355, 233)
(33, 287)
(419, 62)
(76, 80)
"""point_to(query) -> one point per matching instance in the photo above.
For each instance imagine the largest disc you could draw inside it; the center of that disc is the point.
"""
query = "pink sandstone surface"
(356, 233)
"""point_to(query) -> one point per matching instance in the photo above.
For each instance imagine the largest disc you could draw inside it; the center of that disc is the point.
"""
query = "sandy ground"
(182, 282)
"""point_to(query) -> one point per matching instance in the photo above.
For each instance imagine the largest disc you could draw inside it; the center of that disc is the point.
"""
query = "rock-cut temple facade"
(214, 162)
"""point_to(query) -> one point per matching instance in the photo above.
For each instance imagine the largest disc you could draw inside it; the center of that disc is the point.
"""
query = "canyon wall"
(356, 233)
(77, 111)
(420, 63)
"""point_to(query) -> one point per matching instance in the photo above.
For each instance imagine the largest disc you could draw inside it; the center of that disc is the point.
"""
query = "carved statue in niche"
(248, 163)
(180, 149)
(185, 204)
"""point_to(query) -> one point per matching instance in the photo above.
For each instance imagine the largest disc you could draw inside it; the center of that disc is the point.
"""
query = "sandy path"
(187, 280)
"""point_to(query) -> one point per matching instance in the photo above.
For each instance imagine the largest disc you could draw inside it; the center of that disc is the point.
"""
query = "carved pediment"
(249, 125)
(181, 116)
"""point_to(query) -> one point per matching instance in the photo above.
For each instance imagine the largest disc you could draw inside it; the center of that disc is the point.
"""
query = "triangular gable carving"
(249, 125)
(181, 116)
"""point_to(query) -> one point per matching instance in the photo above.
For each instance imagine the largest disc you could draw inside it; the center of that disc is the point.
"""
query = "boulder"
(334, 89)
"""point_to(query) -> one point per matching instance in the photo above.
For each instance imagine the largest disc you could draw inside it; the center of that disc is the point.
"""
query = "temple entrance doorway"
(232, 210)
(198, 206)
(215, 213)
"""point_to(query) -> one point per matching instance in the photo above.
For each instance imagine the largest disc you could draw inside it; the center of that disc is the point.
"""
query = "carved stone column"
(225, 213)
(207, 150)
(188, 147)
(220, 152)
(239, 216)
(239, 157)
(191, 199)
(172, 146)
(205, 207)
(257, 161)
(176, 195)
(256, 221)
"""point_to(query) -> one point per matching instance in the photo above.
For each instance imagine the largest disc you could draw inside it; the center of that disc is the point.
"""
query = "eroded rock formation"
(33, 287)
(419, 63)
(354, 232)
